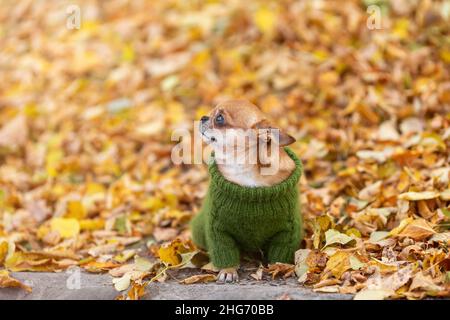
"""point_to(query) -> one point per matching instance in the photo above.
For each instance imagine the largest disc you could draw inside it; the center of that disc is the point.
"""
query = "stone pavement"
(99, 287)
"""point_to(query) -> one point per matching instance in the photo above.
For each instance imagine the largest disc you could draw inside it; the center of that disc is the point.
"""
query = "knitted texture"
(234, 218)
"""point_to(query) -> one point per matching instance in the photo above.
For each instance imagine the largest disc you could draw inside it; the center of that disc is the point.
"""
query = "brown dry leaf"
(164, 234)
(36, 261)
(426, 283)
(281, 269)
(199, 278)
(137, 291)
(418, 229)
(373, 294)
(424, 211)
(6, 281)
(316, 260)
(14, 133)
(258, 275)
(370, 192)
(99, 267)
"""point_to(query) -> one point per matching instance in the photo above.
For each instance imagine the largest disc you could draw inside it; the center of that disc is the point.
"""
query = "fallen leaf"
(258, 274)
(335, 237)
(199, 278)
(170, 253)
(338, 263)
(422, 282)
(15, 133)
(370, 192)
(137, 291)
(66, 227)
(418, 229)
(122, 283)
(373, 294)
(355, 263)
(416, 196)
(6, 281)
(378, 236)
(281, 269)
(329, 289)
(3, 251)
(265, 19)
(445, 195)
(301, 265)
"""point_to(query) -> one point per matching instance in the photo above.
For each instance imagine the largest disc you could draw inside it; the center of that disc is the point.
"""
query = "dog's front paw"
(228, 275)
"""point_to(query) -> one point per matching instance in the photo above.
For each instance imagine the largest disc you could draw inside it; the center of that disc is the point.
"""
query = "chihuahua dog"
(249, 152)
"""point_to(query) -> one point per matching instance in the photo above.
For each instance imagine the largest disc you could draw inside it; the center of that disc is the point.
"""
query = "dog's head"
(238, 125)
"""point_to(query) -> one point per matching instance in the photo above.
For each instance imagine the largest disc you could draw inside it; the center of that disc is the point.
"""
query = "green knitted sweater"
(235, 218)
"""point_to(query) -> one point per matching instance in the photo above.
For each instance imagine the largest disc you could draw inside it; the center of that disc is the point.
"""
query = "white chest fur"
(243, 175)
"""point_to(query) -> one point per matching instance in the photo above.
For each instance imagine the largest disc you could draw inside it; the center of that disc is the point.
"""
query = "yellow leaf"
(401, 27)
(324, 222)
(338, 263)
(353, 232)
(93, 188)
(153, 203)
(335, 237)
(66, 227)
(128, 53)
(42, 231)
(400, 227)
(201, 58)
(75, 209)
(169, 254)
(265, 20)
(92, 224)
(445, 55)
(27, 261)
(125, 255)
(3, 251)
(383, 267)
(52, 161)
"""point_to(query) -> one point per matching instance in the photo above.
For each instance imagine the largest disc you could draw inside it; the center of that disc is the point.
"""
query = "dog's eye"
(220, 120)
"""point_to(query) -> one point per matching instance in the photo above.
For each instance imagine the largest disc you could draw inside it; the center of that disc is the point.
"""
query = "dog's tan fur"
(241, 114)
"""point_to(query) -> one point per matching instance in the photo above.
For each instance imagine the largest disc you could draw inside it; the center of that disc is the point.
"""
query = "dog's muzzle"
(203, 124)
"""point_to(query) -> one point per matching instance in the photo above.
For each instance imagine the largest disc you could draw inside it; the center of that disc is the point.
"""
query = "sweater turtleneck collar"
(219, 186)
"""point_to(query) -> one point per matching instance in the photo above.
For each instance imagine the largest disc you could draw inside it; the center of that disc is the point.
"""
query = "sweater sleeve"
(223, 250)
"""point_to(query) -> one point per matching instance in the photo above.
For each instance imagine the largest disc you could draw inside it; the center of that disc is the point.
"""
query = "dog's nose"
(204, 119)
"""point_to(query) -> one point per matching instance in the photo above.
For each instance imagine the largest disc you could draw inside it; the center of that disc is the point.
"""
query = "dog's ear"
(267, 133)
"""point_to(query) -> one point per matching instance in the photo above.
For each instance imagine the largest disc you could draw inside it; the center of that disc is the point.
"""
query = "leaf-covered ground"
(86, 117)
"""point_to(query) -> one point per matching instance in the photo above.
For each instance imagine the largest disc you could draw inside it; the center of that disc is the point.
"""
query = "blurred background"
(86, 113)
